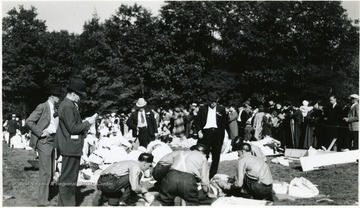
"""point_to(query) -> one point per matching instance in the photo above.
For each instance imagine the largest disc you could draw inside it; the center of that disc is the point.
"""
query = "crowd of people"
(314, 123)
(108, 144)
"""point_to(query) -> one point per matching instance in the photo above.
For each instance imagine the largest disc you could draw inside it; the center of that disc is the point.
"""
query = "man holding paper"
(69, 140)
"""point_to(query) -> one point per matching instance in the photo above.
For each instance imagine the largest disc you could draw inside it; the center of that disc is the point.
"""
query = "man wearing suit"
(332, 120)
(142, 122)
(353, 120)
(211, 122)
(43, 123)
(242, 118)
(13, 125)
(69, 140)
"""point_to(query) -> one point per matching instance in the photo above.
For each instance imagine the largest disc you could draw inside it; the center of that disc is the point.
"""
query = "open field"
(338, 183)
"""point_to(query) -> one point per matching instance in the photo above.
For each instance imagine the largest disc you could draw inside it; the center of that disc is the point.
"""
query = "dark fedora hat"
(77, 85)
(55, 90)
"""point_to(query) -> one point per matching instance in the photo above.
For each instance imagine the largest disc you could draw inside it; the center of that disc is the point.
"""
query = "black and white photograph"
(180, 103)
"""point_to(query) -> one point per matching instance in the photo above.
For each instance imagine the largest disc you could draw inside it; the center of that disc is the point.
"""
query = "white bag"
(302, 188)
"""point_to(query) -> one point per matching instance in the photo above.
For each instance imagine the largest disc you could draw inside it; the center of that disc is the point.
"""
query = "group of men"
(63, 130)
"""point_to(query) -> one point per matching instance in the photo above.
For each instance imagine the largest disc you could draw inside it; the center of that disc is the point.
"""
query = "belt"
(257, 180)
(110, 175)
(211, 129)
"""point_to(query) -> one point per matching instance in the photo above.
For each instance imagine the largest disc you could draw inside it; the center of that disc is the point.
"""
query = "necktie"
(55, 112)
(77, 107)
(142, 118)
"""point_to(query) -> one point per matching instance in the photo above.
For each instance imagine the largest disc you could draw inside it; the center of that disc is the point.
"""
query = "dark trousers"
(181, 184)
(159, 172)
(213, 139)
(144, 137)
(257, 189)
(332, 132)
(45, 149)
(68, 180)
(241, 129)
(354, 137)
(10, 136)
(115, 188)
(343, 141)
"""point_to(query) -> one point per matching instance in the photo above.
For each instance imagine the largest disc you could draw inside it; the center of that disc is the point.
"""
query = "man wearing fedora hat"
(43, 123)
(142, 122)
(211, 122)
(69, 140)
(353, 120)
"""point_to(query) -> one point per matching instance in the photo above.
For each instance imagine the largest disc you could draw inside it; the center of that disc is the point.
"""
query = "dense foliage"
(262, 50)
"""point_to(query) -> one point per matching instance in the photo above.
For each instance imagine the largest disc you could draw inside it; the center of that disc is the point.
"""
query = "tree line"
(286, 50)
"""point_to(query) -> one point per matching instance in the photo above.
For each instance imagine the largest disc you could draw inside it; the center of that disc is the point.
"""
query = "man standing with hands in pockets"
(69, 140)
(211, 122)
(43, 122)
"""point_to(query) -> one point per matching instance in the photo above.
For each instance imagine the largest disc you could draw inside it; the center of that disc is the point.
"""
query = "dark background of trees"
(259, 50)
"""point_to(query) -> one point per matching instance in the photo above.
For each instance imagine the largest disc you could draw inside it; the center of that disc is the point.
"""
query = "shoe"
(122, 204)
(97, 201)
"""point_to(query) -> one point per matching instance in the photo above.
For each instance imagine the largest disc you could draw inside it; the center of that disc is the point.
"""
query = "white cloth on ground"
(302, 188)
(266, 149)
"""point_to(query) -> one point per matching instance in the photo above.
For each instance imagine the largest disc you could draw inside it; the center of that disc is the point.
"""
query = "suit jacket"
(38, 120)
(12, 126)
(333, 115)
(244, 118)
(353, 117)
(69, 138)
(221, 117)
(132, 122)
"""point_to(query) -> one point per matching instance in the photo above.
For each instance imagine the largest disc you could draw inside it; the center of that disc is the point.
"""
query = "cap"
(354, 96)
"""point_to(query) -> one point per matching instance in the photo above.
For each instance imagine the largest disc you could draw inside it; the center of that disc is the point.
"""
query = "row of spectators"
(313, 123)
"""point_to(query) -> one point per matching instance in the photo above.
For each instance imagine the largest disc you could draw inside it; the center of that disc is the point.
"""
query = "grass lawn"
(338, 183)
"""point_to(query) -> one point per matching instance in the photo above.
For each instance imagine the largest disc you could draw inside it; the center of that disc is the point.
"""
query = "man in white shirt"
(188, 168)
(143, 123)
(43, 122)
(118, 180)
(211, 122)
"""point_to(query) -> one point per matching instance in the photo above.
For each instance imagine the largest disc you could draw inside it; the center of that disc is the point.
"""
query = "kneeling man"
(188, 169)
(119, 179)
(253, 175)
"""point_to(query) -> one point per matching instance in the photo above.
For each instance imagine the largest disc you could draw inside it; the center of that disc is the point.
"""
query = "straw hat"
(141, 103)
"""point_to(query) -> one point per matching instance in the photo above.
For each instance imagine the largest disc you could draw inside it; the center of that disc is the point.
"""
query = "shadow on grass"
(80, 196)
(54, 191)
(299, 168)
(31, 168)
